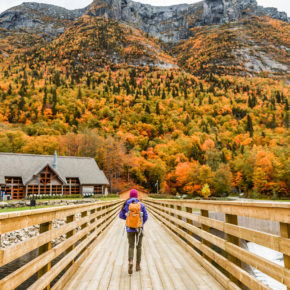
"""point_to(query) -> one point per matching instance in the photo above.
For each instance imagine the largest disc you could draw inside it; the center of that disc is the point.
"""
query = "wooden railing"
(222, 255)
(84, 227)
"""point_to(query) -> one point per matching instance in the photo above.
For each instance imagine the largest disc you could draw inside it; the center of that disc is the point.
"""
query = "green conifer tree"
(249, 127)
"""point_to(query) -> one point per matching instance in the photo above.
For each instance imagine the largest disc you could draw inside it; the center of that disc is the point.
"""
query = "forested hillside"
(211, 109)
(158, 125)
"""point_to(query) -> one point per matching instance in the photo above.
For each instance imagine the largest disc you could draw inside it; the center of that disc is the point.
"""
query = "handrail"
(193, 230)
(85, 225)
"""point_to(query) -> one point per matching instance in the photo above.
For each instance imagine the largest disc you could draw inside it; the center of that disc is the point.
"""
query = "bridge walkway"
(165, 264)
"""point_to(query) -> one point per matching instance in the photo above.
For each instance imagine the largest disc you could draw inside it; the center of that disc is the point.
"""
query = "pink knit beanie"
(134, 193)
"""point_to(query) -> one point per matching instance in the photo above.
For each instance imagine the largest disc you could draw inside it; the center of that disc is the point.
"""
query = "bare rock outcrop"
(170, 24)
(39, 18)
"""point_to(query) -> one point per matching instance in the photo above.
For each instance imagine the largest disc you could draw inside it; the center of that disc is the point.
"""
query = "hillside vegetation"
(250, 46)
(158, 125)
(211, 110)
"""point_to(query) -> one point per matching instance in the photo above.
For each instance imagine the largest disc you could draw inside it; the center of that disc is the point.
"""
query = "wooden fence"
(84, 227)
(221, 255)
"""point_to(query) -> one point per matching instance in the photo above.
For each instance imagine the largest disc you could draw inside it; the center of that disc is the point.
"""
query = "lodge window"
(14, 187)
(66, 190)
(32, 189)
(56, 189)
(13, 180)
(73, 186)
(75, 190)
(45, 177)
(98, 189)
(73, 180)
(45, 189)
(7, 189)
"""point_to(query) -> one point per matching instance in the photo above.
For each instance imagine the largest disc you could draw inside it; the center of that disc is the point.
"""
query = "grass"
(59, 199)
(24, 208)
(103, 198)
(43, 199)
(12, 209)
(267, 199)
(108, 198)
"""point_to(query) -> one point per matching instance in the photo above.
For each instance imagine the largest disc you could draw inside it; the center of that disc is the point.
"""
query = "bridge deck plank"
(117, 269)
(165, 264)
(164, 259)
(125, 278)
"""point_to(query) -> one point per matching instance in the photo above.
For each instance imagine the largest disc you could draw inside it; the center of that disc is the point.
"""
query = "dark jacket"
(125, 209)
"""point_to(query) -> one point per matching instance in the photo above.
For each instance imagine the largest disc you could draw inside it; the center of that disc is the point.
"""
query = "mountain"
(187, 95)
(169, 24)
(211, 36)
(173, 23)
(44, 19)
(249, 46)
(94, 42)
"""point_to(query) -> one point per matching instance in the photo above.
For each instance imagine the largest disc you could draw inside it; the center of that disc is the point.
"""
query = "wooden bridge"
(184, 247)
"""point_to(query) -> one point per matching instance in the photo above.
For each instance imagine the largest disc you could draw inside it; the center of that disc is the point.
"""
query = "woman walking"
(135, 214)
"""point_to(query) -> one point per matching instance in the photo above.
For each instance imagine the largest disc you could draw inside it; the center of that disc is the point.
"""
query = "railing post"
(189, 210)
(233, 219)
(206, 228)
(69, 219)
(285, 233)
(172, 214)
(189, 221)
(166, 210)
(98, 217)
(178, 207)
(44, 248)
(84, 214)
(92, 220)
(99, 209)
(163, 208)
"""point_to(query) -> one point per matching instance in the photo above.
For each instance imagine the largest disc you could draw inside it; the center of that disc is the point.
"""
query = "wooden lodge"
(24, 175)
(142, 193)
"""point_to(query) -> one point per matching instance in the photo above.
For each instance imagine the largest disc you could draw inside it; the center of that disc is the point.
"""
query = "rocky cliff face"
(224, 11)
(39, 18)
(273, 13)
(169, 24)
(173, 23)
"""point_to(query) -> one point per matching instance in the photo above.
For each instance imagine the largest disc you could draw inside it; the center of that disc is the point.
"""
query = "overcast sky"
(282, 5)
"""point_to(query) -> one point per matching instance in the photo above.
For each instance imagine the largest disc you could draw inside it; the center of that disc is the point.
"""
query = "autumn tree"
(223, 180)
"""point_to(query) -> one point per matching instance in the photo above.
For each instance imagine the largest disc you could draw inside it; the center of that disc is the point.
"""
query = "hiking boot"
(138, 267)
(130, 267)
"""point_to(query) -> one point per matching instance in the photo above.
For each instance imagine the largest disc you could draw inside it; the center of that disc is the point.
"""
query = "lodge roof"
(29, 165)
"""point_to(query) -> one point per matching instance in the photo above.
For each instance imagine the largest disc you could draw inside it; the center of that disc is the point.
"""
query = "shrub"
(205, 191)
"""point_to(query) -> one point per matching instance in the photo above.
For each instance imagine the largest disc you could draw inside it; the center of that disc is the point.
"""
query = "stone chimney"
(54, 165)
